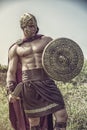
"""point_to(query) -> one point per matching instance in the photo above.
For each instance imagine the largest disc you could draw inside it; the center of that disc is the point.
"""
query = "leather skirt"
(40, 94)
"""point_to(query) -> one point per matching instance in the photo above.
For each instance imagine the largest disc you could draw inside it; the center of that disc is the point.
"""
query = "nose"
(27, 28)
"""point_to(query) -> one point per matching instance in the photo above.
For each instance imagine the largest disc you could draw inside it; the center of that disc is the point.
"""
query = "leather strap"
(59, 125)
(35, 128)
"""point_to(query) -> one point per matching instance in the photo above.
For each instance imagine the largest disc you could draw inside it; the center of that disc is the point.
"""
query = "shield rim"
(73, 76)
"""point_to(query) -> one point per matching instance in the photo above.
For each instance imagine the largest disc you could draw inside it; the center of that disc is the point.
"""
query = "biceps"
(12, 67)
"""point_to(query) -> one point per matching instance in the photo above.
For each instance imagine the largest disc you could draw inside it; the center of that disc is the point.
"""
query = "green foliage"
(3, 68)
(2, 78)
(4, 122)
(82, 77)
(74, 93)
(76, 103)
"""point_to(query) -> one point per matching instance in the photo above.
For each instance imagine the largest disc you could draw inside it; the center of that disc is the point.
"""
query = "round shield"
(62, 59)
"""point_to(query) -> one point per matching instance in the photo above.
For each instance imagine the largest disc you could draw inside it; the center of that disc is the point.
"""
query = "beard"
(29, 34)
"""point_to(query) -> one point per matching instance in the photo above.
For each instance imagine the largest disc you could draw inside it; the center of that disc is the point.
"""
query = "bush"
(4, 121)
(76, 103)
(3, 68)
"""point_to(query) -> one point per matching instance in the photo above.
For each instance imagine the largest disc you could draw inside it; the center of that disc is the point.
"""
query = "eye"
(23, 27)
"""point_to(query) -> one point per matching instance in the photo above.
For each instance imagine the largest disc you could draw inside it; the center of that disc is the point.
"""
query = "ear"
(37, 30)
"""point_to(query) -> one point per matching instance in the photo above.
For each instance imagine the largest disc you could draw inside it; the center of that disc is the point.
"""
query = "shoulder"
(46, 39)
(13, 47)
(12, 51)
(17, 43)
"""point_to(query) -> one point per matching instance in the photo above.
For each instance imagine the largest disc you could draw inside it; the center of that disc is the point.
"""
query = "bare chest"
(30, 48)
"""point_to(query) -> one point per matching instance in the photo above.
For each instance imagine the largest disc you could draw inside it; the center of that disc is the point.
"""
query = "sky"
(56, 18)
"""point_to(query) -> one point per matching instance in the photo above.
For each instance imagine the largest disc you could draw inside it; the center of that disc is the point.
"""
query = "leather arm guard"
(10, 87)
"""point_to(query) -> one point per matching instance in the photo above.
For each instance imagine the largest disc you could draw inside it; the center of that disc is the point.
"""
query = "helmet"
(27, 19)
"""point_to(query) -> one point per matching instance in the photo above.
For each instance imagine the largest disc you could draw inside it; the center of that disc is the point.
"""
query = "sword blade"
(17, 89)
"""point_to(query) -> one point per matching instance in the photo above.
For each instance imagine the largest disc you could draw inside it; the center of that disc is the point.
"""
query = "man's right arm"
(12, 67)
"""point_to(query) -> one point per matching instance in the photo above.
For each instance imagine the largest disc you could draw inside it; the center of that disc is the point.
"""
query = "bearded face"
(29, 25)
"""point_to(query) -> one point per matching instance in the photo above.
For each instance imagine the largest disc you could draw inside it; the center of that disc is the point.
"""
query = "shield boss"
(62, 59)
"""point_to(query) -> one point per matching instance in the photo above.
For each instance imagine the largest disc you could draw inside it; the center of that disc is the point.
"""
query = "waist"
(34, 74)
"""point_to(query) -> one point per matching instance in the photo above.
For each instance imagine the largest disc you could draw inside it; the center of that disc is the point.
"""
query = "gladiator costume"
(40, 94)
(62, 60)
(40, 97)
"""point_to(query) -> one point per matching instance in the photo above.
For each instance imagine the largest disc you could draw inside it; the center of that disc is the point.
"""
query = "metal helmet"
(27, 19)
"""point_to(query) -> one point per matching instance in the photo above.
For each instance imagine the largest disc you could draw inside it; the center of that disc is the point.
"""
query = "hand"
(12, 98)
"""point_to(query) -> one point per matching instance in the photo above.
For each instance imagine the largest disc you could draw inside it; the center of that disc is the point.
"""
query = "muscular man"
(40, 95)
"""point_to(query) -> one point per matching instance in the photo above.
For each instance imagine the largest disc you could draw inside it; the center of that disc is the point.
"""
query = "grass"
(4, 121)
(76, 103)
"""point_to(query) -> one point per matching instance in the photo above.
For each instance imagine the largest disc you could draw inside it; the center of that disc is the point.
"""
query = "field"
(75, 96)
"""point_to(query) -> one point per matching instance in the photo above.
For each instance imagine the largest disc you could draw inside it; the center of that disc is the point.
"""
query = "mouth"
(29, 35)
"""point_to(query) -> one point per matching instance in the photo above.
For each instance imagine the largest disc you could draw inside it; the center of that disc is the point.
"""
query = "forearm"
(10, 86)
(10, 82)
(12, 67)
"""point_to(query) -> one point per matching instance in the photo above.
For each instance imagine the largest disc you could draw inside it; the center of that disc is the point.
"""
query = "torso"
(30, 53)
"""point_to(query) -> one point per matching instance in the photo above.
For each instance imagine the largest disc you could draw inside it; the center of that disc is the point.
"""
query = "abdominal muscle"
(30, 62)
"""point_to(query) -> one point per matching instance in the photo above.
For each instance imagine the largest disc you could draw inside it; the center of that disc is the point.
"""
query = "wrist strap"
(59, 125)
(11, 86)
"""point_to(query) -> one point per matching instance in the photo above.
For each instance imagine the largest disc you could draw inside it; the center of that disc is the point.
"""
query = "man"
(40, 96)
